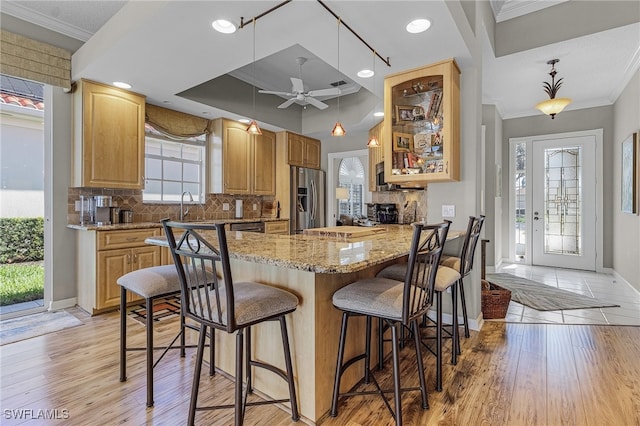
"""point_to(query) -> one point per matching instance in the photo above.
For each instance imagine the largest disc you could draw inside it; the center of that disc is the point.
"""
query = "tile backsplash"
(412, 205)
(211, 209)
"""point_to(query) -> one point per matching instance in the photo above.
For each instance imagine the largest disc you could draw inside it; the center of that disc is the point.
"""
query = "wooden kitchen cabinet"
(108, 142)
(240, 163)
(276, 227)
(104, 256)
(376, 154)
(422, 124)
(303, 151)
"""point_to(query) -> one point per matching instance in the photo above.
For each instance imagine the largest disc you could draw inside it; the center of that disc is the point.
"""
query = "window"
(173, 167)
(351, 176)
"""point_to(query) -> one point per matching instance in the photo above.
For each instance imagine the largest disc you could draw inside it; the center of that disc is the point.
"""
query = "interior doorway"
(555, 200)
(333, 180)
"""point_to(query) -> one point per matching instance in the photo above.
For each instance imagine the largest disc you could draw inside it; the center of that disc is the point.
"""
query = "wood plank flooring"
(508, 374)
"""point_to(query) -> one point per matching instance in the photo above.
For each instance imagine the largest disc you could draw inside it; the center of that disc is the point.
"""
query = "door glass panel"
(562, 203)
(520, 200)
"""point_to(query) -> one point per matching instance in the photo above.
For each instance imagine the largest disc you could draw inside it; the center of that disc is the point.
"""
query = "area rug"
(21, 328)
(543, 297)
(163, 309)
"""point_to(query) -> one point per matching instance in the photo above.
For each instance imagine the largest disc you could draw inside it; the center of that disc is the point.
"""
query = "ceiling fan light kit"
(553, 105)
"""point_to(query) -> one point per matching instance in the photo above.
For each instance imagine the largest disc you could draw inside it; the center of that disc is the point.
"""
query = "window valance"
(174, 123)
(33, 60)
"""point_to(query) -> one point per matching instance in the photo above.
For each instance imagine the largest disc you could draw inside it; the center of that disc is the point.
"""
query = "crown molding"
(18, 11)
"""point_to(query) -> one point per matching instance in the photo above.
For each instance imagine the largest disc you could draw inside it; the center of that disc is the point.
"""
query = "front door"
(563, 213)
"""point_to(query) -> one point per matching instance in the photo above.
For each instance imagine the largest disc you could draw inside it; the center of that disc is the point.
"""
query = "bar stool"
(228, 306)
(152, 283)
(398, 304)
(445, 278)
(464, 263)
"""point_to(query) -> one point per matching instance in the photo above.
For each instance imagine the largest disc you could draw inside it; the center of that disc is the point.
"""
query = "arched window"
(351, 176)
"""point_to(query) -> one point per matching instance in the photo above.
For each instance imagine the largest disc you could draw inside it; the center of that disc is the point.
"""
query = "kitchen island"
(313, 268)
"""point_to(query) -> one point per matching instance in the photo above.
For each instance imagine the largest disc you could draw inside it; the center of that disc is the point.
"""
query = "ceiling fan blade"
(325, 92)
(287, 103)
(272, 92)
(297, 85)
(316, 103)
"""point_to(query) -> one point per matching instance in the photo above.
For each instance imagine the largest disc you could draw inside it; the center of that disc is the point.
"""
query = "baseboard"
(494, 268)
(619, 277)
(55, 305)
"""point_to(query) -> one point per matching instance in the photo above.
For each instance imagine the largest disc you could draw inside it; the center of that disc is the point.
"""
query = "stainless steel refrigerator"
(307, 199)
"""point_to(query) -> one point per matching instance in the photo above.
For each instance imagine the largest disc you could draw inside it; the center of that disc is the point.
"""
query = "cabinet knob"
(129, 259)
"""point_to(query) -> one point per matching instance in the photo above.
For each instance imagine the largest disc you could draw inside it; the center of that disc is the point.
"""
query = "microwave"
(381, 184)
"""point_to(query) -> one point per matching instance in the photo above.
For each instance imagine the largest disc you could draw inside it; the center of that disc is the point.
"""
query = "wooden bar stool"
(152, 283)
(199, 252)
(399, 304)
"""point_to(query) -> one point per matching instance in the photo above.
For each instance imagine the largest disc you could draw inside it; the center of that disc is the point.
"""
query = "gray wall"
(492, 203)
(626, 227)
(567, 121)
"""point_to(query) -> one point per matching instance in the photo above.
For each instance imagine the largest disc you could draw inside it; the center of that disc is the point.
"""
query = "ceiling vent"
(338, 83)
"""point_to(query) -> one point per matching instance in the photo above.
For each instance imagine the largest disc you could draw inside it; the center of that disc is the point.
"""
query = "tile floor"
(600, 286)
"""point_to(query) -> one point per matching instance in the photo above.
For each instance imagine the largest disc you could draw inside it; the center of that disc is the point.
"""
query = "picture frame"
(629, 185)
(402, 142)
(404, 113)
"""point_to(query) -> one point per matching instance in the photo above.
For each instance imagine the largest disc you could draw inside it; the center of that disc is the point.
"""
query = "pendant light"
(553, 105)
(373, 141)
(253, 128)
(338, 130)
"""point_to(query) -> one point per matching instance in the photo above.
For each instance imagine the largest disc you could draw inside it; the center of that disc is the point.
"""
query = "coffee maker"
(102, 206)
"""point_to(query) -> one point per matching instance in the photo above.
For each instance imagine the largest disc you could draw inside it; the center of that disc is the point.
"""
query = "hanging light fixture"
(553, 105)
(253, 128)
(338, 130)
(373, 141)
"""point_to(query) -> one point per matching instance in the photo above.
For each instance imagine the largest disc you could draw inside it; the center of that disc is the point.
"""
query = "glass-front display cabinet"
(422, 125)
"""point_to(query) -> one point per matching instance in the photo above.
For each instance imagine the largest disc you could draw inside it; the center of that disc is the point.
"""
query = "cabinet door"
(112, 264)
(112, 137)
(296, 150)
(264, 164)
(237, 153)
(143, 257)
(312, 153)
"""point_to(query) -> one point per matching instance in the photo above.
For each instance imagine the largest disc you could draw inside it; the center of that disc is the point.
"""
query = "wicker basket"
(495, 300)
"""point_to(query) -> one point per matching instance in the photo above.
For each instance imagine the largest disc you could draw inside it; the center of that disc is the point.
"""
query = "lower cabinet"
(104, 256)
(276, 227)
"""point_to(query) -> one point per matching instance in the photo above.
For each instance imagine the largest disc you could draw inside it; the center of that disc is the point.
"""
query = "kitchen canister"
(126, 216)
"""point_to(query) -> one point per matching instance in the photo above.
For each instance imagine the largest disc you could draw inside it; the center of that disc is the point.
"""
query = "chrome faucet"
(184, 212)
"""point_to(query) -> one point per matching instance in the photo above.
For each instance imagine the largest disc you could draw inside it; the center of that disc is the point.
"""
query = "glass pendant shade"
(338, 130)
(253, 128)
(553, 106)
(373, 142)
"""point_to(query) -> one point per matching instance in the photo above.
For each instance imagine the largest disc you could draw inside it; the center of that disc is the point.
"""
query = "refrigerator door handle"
(313, 200)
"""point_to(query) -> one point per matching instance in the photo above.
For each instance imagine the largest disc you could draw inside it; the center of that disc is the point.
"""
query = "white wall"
(626, 227)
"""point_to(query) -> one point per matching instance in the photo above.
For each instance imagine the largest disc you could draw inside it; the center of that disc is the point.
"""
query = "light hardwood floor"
(508, 374)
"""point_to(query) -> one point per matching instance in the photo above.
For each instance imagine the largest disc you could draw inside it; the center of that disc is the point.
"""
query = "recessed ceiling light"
(418, 25)
(365, 73)
(245, 120)
(122, 85)
(378, 114)
(223, 26)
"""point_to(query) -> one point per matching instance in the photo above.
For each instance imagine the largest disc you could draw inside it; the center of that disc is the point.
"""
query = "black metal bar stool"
(229, 306)
(152, 283)
(397, 303)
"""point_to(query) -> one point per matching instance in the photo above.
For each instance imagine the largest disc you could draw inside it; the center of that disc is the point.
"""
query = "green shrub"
(21, 239)
(21, 283)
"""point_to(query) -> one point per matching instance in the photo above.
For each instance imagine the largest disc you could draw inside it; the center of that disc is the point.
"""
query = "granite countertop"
(320, 254)
(144, 225)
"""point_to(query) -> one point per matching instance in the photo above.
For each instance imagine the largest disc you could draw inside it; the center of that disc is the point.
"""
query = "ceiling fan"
(298, 94)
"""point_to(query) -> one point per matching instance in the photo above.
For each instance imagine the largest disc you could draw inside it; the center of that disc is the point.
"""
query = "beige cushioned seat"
(253, 301)
(452, 262)
(445, 276)
(372, 296)
(152, 282)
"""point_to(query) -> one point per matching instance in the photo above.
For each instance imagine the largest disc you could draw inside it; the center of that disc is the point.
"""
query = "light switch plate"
(255, 206)
(225, 206)
(448, 210)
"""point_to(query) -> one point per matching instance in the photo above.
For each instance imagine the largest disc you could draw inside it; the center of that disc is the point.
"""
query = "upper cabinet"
(240, 163)
(108, 137)
(303, 151)
(422, 124)
(376, 154)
